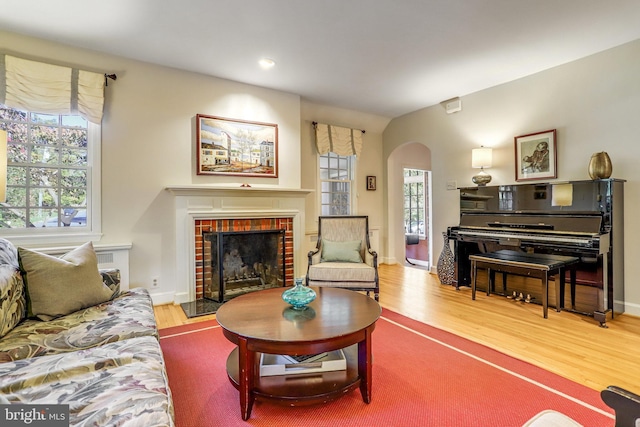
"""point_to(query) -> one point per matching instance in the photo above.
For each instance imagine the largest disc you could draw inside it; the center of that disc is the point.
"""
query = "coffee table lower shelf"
(300, 389)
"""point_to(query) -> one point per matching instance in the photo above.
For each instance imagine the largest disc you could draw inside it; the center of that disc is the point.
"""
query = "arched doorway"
(417, 196)
(409, 156)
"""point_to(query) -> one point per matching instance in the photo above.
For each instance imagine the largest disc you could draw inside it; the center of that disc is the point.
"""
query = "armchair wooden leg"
(376, 295)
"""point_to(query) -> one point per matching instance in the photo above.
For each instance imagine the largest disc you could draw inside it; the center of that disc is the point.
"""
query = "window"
(51, 184)
(414, 202)
(336, 183)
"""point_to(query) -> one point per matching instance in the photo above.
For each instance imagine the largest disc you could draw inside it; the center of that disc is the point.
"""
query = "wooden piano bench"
(539, 266)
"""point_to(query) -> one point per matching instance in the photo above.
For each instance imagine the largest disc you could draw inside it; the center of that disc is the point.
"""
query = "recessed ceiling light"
(267, 63)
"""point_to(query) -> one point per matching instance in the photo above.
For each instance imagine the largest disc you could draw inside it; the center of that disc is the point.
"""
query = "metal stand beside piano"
(527, 218)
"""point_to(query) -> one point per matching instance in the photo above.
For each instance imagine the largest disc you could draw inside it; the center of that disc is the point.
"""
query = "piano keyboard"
(522, 236)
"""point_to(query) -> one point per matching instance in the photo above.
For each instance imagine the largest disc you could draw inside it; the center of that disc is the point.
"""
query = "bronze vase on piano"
(446, 268)
(600, 166)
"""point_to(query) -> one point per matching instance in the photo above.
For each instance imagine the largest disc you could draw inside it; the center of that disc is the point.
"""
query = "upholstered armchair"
(343, 257)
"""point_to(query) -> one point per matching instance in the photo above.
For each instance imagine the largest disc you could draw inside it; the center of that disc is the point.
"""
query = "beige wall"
(594, 103)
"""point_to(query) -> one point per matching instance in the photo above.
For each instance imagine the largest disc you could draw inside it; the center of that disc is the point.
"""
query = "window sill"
(52, 239)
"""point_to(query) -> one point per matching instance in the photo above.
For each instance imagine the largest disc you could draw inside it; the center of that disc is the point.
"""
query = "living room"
(148, 145)
(600, 122)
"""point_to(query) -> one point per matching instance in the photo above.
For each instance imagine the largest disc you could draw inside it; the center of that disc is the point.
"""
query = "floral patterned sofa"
(103, 360)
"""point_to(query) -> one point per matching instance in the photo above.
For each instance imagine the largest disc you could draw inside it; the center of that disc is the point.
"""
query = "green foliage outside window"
(47, 170)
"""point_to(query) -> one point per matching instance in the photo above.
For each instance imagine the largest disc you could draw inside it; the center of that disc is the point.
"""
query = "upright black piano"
(577, 218)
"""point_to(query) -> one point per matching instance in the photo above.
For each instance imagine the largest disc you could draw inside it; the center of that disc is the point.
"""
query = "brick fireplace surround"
(255, 224)
(198, 207)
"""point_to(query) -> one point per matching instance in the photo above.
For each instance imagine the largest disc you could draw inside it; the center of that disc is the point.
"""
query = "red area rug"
(422, 376)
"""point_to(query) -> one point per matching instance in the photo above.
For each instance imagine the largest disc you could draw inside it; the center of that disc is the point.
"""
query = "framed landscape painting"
(536, 156)
(236, 147)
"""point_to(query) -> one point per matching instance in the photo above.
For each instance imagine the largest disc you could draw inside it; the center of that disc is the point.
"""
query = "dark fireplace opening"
(238, 262)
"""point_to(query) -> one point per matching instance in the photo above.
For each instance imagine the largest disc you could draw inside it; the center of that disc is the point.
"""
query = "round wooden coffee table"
(261, 322)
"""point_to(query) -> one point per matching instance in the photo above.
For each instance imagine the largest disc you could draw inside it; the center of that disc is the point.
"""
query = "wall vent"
(105, 257)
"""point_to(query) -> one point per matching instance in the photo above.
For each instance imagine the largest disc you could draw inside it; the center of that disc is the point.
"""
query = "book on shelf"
(280, 364)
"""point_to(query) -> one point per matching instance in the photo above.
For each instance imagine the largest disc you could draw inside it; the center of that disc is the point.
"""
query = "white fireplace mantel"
(210, 190)
(194, 202)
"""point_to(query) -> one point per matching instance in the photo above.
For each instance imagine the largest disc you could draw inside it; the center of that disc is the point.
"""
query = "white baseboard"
(632, 309)
(161, 298)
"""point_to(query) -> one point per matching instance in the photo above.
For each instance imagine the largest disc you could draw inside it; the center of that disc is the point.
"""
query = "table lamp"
(481, 158)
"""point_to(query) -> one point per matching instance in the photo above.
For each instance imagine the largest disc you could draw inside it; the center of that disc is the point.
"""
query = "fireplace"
(244, 229)
(238, 262)
(207, 208)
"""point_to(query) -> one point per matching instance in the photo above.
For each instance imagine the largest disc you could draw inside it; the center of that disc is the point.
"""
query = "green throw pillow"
(60, 286)
(340, 251)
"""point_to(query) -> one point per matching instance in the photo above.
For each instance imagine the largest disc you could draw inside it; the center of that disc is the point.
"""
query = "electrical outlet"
(154, 282)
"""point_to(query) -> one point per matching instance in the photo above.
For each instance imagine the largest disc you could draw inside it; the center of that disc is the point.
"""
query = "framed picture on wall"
(236, 147)
(536, 156)
(371, 182)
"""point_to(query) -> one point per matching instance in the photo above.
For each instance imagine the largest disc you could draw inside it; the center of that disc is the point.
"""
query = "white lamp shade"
(562, 195)
(3, 166)
(481, 157)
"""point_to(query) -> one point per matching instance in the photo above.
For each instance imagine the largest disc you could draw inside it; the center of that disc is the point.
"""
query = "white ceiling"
(377, 56)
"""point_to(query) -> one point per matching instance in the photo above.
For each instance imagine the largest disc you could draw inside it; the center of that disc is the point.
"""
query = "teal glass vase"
(299, 295)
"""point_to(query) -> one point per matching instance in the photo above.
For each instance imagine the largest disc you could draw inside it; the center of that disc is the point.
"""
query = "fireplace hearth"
(200, 307)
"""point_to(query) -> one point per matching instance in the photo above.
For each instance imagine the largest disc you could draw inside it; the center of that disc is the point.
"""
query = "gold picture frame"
(236, 147)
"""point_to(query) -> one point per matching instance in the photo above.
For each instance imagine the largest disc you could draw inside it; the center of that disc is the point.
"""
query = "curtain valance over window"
(52, 89)
(338, 140)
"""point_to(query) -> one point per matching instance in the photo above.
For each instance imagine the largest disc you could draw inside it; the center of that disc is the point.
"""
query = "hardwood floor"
(569, 344)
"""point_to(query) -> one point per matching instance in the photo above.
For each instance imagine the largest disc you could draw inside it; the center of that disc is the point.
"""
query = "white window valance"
(51, 89)
(338, 140)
